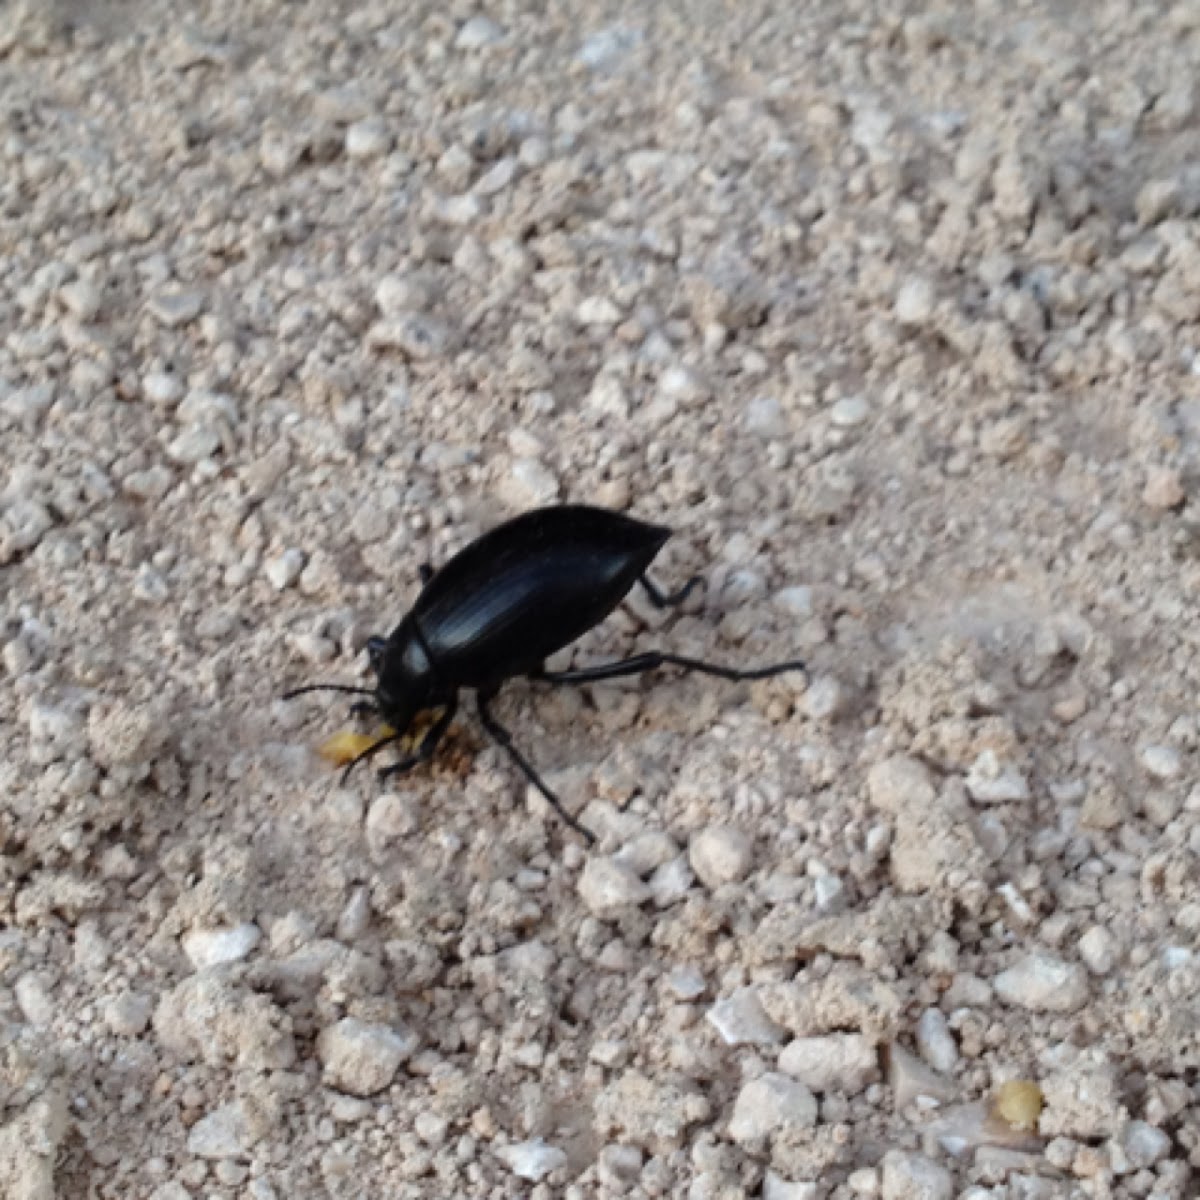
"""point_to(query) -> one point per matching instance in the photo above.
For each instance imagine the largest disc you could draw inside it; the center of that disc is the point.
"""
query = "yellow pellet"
(1019, 1103)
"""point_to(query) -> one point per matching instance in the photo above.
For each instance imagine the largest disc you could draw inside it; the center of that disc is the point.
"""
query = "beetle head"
(403, 676)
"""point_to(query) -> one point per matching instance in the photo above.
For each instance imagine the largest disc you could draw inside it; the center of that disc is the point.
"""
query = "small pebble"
(686, 983)
(1164, 489)
(915, 301)
(598, 310)
(475, 33)
(1145, 1145)
(174, 309)
(908, 1175)
(363, 1058)
(223, 1133)
(1163, 762)
(775, 1187)
(213, 947)
(991, 782)
(1098, 949)
(128, 1014)
(770, 1104)
(840, 1062)
(935, 1041)
(741, 1020)
(1042, 983)
(720, 854)
(609, 888)
(194, 445)
(284, 569)
(368, 139)
(532, 1160)
(850, 411)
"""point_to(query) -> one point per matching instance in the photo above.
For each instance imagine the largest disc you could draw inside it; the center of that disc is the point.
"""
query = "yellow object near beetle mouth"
(347, 744)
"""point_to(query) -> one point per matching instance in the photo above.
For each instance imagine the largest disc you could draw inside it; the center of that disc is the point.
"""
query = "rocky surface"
(889, 311)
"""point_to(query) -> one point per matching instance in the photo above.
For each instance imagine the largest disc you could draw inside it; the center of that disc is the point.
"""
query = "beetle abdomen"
(529, 587)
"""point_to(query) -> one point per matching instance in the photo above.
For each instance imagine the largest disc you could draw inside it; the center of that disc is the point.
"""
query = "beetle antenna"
(327, 687)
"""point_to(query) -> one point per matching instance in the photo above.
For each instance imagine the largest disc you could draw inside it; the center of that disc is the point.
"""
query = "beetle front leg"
(504, 739)
(429, 743)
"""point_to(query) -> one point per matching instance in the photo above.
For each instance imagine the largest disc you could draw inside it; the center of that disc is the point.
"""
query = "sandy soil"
(890, 312)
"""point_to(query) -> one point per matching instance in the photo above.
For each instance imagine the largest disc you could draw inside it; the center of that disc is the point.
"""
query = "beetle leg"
(369, 752)
(661, 599)
(429, 743)
(327, 687)
(425, 573)
(504, 739)
(657, 658)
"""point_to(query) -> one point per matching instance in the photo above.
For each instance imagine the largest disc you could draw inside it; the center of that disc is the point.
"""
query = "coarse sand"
(890, 311)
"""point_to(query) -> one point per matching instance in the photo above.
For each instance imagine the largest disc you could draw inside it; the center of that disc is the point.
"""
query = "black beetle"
(500, 607)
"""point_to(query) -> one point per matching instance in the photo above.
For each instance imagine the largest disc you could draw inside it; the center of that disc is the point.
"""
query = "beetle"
(503, 605)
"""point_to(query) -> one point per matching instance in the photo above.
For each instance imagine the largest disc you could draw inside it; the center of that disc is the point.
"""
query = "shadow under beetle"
(499, 608)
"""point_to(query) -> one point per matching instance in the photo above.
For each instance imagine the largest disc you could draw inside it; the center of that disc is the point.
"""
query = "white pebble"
(34, 1000)
(991, 782)
(1098, 949)
(477, 32)
(55, 727)
(598, 310)
(224, 1133)
(361, 1058)
(1163, 762)
(671, 882)
(741, 1020)
(531, 483)
(532, 1160)
(1145, 1144)
(609, 888)
(173, 309)
(834, 1062)
(647, 852)
(128, 1014)
(769, 1104)
(684, 386)
(935, 1041)
(284, 569)
(908, 1175)
(392, 817)
(686, 983)
(915, 301)
(850, 411)
(824, 699)
(764, 417)
(497, 177)
(604, 49)
(356, 916)
(720, 854)
(162, 389)
(795, 601)
(194, 445)
(1043, 983)
(84, 300)
(212, 947)
(368, 139)
(775, 1187)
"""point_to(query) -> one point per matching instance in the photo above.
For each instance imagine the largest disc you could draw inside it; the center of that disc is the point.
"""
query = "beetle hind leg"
(653, 659)
(503, 738)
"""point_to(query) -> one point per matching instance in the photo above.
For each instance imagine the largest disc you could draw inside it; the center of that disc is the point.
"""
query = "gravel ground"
(890, 313)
